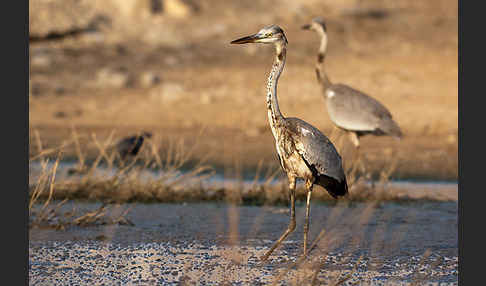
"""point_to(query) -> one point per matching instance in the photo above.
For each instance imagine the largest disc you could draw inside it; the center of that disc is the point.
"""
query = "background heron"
(348, 108)
(303, 151)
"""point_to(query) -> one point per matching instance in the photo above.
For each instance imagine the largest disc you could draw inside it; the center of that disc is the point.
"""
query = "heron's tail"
(334, 187)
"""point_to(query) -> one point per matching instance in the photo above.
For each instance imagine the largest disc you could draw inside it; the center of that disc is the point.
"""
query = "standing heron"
(303, 151)
(130, 146)
(350, 109)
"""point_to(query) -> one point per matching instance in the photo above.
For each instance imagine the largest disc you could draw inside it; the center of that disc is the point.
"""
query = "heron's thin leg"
(335, 136)
(354, 138)
(339, 136)
(362, 163)
(292, 223)
(360, 160)
(307, 213)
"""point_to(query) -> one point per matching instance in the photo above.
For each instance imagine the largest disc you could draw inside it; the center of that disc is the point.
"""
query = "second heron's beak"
(306, 27)
(248, 39)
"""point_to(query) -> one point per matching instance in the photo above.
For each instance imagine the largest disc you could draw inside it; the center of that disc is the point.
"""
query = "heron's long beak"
(247, 39)
(306, 27)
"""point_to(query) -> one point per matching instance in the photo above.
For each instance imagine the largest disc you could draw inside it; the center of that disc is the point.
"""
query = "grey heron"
(303, 151)
(350, 109)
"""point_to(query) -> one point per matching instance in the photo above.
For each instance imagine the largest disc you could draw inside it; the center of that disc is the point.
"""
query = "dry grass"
(129, 180)
(48, 214)
(170, 174)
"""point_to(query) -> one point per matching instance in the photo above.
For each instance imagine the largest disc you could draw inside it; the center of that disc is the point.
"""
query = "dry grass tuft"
(146, 177)
(170, 174)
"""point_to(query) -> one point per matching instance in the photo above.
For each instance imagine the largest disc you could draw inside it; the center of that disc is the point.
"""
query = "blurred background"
(166, 66)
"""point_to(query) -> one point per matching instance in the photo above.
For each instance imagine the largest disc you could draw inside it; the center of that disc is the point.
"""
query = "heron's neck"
(275, 117)
(321, 74)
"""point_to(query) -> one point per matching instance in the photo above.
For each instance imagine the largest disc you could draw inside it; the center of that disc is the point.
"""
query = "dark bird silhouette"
(130, 146)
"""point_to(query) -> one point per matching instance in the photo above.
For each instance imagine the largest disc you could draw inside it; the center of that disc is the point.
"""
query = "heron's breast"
(296, 166)
(293, 163)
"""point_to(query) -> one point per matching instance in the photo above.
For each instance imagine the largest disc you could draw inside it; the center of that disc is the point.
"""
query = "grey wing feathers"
(361, 100)
(316, 149)
(356, 111)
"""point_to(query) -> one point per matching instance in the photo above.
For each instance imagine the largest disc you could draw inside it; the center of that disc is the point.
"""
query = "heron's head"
(317, 24)
(272, 34)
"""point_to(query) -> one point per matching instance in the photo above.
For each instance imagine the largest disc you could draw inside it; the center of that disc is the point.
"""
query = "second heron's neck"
(274, 115)
(321, 74)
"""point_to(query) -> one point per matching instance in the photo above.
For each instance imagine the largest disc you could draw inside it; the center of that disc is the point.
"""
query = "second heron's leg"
(291, 226)
(360, 160)
(337, 136)
(308, 185)
(354, 138)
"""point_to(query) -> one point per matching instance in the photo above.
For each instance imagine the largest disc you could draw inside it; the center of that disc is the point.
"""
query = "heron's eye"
(269, 34)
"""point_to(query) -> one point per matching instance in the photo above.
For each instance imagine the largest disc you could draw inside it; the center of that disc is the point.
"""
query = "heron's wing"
(316, 149)
(354, 110)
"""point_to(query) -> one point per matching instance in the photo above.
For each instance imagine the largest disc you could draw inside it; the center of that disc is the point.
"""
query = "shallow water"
(392, 237)
(413, 227)
(208, 243)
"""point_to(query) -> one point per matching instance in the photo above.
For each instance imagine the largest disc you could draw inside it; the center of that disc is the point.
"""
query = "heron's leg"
(354, 138)
(292, 223)
(360, 160)
(318, 73)
(336, 133)
(307, 214)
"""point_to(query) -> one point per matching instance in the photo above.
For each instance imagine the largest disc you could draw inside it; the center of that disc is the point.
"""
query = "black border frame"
(15, 118)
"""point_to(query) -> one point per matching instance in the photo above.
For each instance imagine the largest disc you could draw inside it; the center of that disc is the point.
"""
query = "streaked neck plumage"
(275, 117)
(321, 74)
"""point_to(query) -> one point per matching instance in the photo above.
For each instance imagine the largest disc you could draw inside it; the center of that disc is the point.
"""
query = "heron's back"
(353, 110)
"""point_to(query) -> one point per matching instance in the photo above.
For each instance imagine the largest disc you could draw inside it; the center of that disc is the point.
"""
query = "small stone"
(177, 8)
(101, 237)
(167, 92)
(107, 77)
(206, 99)
(35, 89)
(60, 90)
(41, 60)
(171, 60)
(148, 79)
(60, 114)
